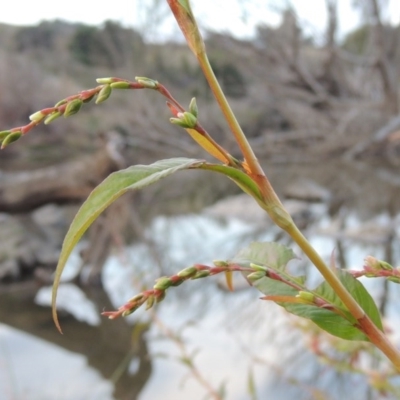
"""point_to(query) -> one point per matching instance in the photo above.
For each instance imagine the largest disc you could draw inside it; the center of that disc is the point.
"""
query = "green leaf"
(239, 177)
(336, 325)
(327, 320)
(114, 186)
(272, 287)
(275, 257)
(270, 254)
(357, 290)
(186, 5)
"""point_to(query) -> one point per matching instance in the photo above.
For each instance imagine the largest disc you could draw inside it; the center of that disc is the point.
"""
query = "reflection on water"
(33, 369)
(105, 347)
(229, 336)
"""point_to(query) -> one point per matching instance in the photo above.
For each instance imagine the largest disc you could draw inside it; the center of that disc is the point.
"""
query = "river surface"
(235, 341)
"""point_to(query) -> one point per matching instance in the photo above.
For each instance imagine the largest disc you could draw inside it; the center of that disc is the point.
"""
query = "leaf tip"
(55, 319)
(54, 301)
(229, 280)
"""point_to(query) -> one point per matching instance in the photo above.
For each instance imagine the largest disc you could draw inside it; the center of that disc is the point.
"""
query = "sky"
(240, 19)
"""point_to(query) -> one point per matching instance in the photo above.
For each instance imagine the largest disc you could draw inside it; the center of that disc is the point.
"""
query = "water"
(231, 337)
(34, 369)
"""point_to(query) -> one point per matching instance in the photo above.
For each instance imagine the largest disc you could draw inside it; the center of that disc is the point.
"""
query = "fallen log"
(67, 182)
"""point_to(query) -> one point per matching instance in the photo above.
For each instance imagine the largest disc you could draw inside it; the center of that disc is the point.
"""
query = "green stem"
(376, 336)
(274, 206)
(329, 274)
(280, 216)
(240, 137)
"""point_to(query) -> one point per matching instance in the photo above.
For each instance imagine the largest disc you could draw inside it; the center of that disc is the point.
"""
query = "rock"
(47, 255)
(307, 190)
(243, 207)
(31, 240)
(11, 240)
(9, 269)
(53, 221)
(240, 206)
(372, 231)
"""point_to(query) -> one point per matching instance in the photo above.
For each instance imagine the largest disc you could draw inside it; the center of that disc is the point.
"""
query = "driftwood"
(379, 137)
(62, 183)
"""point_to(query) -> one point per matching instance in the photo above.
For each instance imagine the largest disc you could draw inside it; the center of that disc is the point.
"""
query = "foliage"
(110, 46)
(340, 305)
(85, 44)
(264, 265)
(231, 79)
(357, 41)
(40, 37)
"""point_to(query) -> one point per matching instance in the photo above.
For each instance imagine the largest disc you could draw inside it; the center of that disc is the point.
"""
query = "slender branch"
(376, 336)
(382, 61)
(189, 362)
(240, 137)
(72, 104)
(329, 275)
(281, 217)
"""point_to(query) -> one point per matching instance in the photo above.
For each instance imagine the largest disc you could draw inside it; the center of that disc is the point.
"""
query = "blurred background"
(315, 86)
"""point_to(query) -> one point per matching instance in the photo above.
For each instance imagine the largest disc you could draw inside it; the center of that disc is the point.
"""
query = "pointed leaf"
(239, 177)
(272, 287)
(357, 290)
(229, 280)
(115, 185)
(340, 323)
(184, 16)
(336, 325)
(209, 145)
(327, 320)
(185, 4)
(270, 254)
(284, 299)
